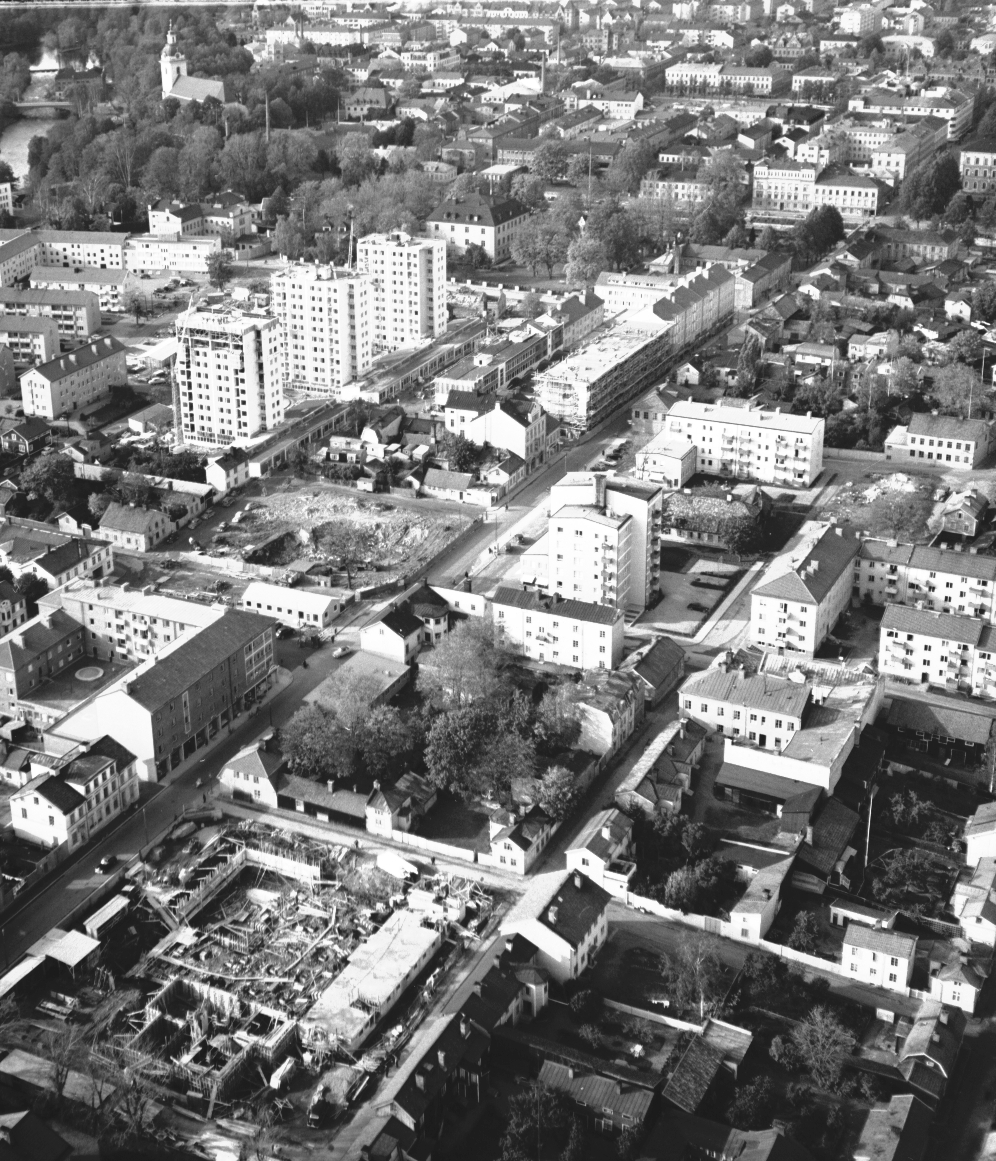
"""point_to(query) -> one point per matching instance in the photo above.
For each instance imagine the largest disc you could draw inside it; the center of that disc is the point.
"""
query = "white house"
(602, 852)
(393, 633)
(298, 608)
(881, 958)
(564, 916)
(980, 834)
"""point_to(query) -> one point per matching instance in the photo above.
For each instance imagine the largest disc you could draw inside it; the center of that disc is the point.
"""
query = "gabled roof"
(554, 603)
(90, 353)
(896, 1131)
(822, 567)
(693, 1075)
(948, 427)
(940, 717)
(892, 943)
(928, 623)
(129, 518)
(660, 662)
(55, 792)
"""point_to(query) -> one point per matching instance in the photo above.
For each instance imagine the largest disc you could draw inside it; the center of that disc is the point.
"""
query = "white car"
(342, 651)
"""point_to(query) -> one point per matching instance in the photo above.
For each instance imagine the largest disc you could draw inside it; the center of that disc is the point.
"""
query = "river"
(16, 138)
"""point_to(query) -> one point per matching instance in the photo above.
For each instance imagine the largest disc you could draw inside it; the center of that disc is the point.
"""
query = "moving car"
(107, 864)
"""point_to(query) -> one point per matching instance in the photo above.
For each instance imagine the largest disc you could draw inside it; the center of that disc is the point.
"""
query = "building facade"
(409, 287)
(69, 383)
(573, 633)
(227, 374)
(327, 328)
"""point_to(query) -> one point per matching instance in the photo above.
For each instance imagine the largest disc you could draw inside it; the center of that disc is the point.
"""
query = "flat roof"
(745, 417)
(66, 947)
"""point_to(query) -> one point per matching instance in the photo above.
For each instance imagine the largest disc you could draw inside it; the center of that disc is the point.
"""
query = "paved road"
(160, 805)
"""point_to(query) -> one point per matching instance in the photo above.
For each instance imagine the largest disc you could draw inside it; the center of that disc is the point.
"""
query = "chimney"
(809, 835)
(944, 1016)
(766, 892)
(839, 530)
(935, 414)
(464, 1026)
(551, 916)
(330, 785)
(442, 1057)
(729, 497)
(478, 989)
(420, 1081)
(681, 728)
(577, 880)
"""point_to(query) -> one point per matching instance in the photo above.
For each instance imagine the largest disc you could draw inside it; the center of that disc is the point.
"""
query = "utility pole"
(868, 832)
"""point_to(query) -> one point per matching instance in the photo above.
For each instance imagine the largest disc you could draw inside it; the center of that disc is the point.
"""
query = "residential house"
(797, 610)
(563, 915)
(929, 1052)
(727, 522)
(603, 852)
(659, 668)
(394, 633)
(134, 528)
(883, 959)
(252, 775)
(516, 842)
(946, 729)
(974, 902)
(935, 648)
(75, 795)
(27, 437)
(763, 709)
(606, 1105)
(611, 706)
(27, 546)
(666, 460)
(957, 975)
(400, 806)
(478, 219)
(964, 515)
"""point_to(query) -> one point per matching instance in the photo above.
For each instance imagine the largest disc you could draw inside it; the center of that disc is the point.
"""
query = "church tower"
(172, 62)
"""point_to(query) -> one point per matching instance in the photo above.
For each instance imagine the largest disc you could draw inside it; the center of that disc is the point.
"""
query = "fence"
(655, 1017)
(423, 844)
(642, 903)
(849, 453)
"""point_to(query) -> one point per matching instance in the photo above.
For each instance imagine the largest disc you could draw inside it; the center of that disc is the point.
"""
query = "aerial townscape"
(498, 580)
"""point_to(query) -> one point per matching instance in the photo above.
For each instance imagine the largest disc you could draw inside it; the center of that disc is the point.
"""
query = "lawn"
(675, 559)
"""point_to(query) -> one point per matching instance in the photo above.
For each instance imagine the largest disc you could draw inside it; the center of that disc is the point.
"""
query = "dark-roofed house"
(929, 1053)
(872, 955)
(563, 915)
(898, 1131)
(134, 528)
(516, 842)
(27, 546)
(27, 437)
(607, 1105)
(658, 668)
(478, 219)
(49, 812)
(394, 633)
(75, 380)
(170, 707)
(399, 806)
(680, 1137)
(826, 851)
(941, 728)
(797, 610)
(251, 775)
(611, 706)
(547, 627)
(26, 1137)
(763, 791)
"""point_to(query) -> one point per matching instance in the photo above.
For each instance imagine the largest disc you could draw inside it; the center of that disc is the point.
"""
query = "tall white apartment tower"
(227, 384)
(410, 287)
(326, 326)
(605, 539)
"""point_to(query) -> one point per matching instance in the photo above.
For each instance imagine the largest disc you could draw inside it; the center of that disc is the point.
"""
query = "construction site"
(262, 965)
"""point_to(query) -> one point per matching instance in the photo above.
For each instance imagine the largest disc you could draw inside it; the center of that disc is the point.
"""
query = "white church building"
(176, 83)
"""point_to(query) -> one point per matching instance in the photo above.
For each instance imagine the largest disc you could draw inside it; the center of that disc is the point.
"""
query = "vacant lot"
(367, 537)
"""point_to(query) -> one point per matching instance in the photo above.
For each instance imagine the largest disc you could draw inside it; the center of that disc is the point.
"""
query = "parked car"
(107, 864)
(341, 651)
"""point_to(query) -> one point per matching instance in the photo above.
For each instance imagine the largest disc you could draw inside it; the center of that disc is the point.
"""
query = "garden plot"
(365, 538)
(894, 506)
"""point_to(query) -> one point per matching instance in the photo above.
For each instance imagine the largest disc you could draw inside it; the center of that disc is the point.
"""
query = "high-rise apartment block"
(409, 280)
(326, 321)
(604, 537)
(228, 379)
